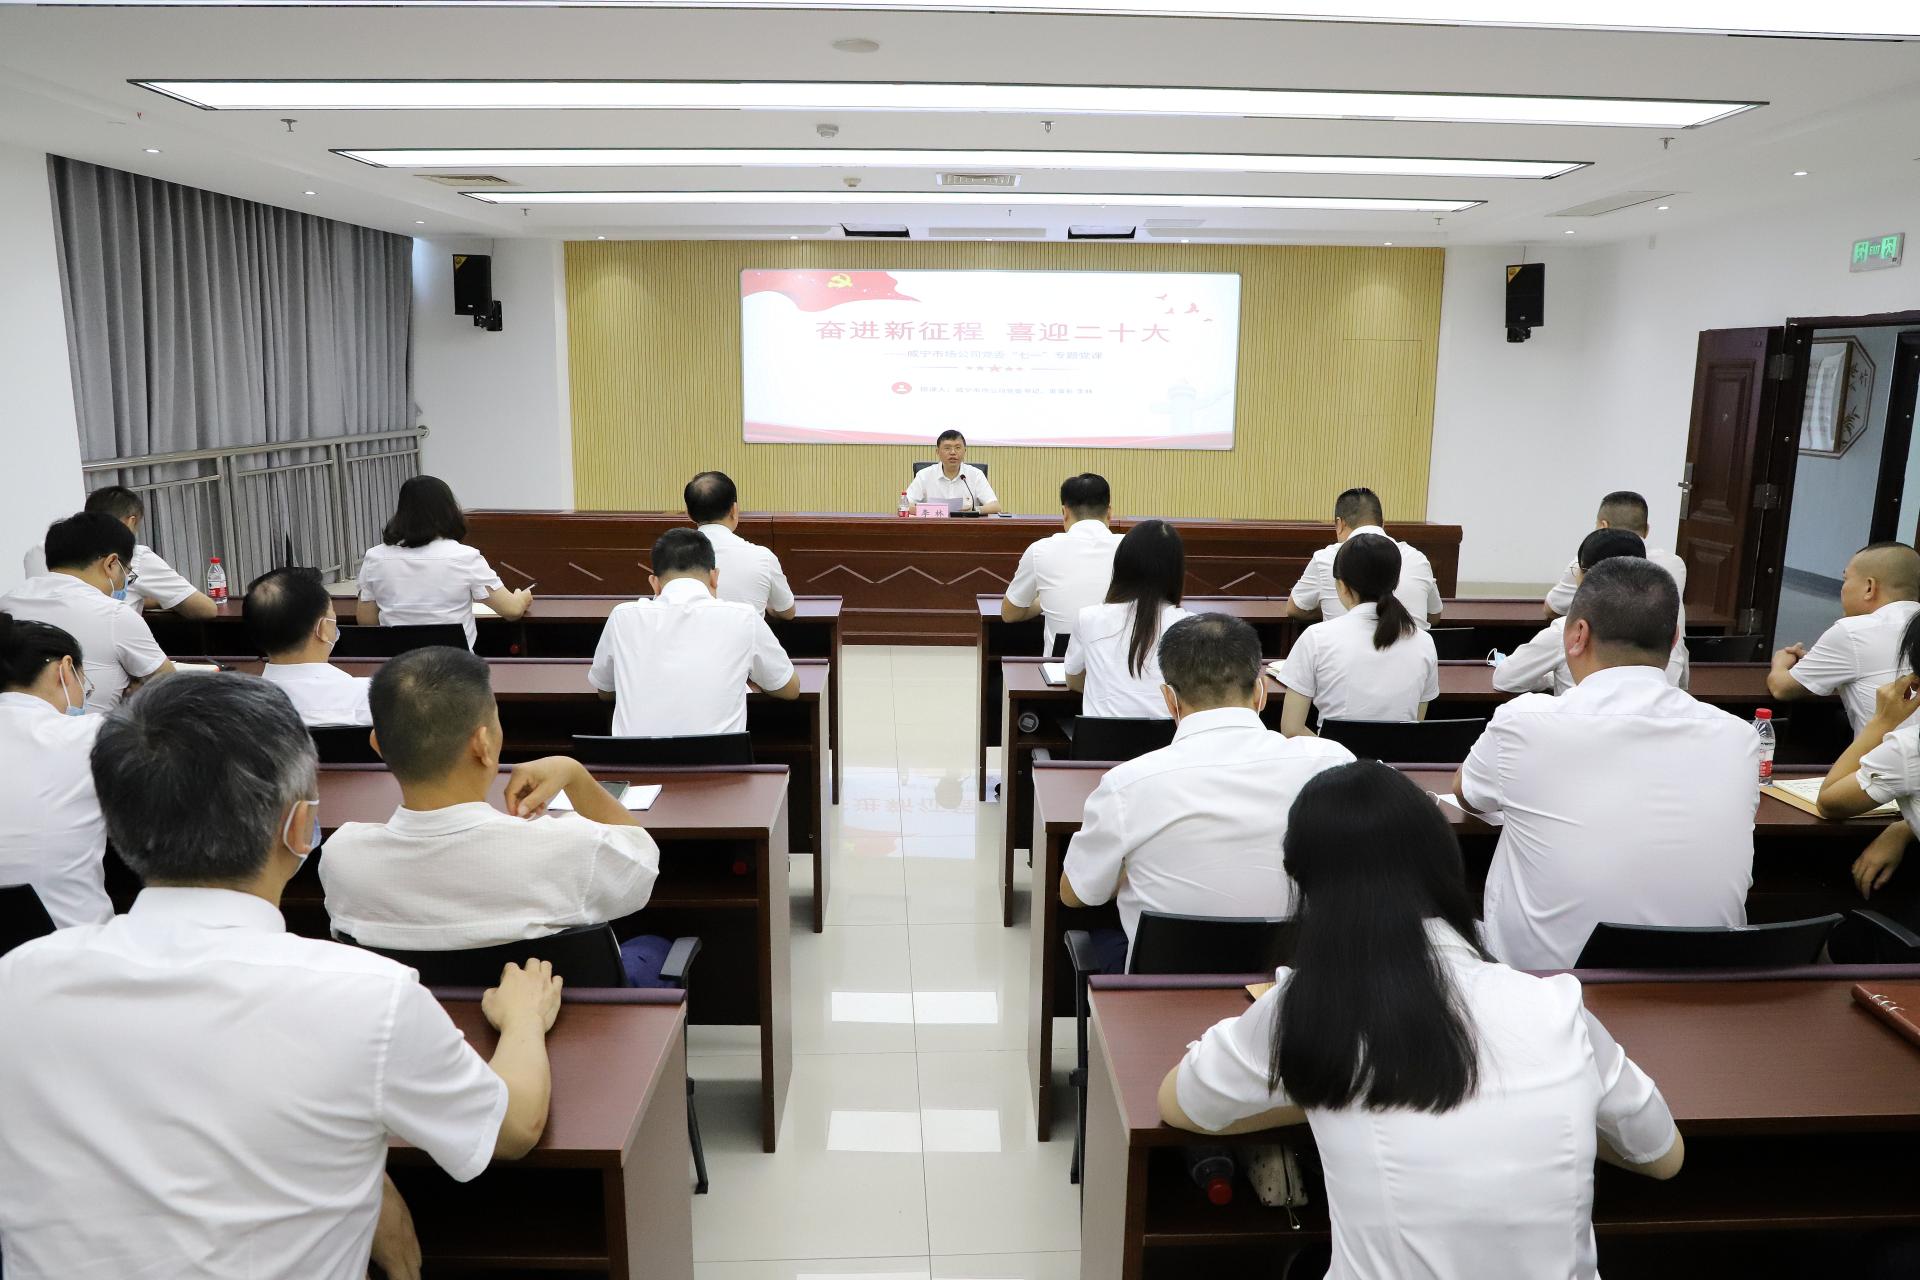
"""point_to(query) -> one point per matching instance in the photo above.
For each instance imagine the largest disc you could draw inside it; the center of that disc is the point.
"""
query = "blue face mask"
(65, 697)
(121, 594)
(313, 831)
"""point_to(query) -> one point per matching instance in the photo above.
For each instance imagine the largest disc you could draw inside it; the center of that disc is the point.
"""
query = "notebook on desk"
(1054, 673)
(1804, 794)
(636, 798)
(1895, 1003)
(484, 611)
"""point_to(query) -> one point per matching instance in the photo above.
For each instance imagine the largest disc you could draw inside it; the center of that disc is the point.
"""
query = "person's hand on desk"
(1841, 795)
(396, 1249)
(510, 605)
(522, 1008)
(1879, 860)
(532, 786)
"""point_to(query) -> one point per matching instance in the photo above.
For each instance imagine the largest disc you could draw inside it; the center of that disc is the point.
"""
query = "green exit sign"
(1877, 253)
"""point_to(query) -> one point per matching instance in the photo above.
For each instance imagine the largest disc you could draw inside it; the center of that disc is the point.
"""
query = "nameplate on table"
(1054, 673)
(931, 510)
(637, 798)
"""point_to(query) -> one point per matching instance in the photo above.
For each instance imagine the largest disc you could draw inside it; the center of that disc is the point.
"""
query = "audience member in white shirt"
(1371, 662)
(1195, 827)
(1882, 765)
(189, 1087)
(422, 574)
(1315, 596)
(1540, 665)
(450, 871)
(52, 837)
(1062, 574)
(749, 573)
(1624, 509)
(84, 596)
(153, 583)
(1113, 657)
(1625, 800)
(1879, 597)
(291, 619)
(678, 665)
(1458, 1106)
(950, 479)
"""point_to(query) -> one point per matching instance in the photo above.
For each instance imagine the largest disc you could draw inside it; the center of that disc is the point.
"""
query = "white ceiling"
(1848, 112)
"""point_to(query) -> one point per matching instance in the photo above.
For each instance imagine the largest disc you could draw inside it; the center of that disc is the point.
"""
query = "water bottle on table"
(1763, 725)
(216, 581)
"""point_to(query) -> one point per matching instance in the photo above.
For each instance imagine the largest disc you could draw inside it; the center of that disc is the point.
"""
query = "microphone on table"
(968, 484)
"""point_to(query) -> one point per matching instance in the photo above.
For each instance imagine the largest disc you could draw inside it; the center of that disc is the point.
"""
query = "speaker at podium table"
(981, 467)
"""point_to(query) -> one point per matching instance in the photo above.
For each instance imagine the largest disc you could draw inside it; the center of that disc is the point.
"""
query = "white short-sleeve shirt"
(1891, 771)
(1102, 650)
(1560, 598)
(1197, 825)
(190, 1089)
(1500, 1187)
(154, 580)
(749, 573)
(1540, 665)
(423, 586)
(51, 833)
(1065, 573)
(968, 487)
(472, 876)
(1418, 589)
(680, 662)
(1334, 663)
(1855, 656)
(1625, 800)
(116, 645)
(322, 693)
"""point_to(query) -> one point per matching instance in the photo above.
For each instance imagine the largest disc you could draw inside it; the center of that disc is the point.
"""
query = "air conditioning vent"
(1611, 204)
(1100, 233)
(875, 230)
(466, 179)
(1004, 181)
(986, 233)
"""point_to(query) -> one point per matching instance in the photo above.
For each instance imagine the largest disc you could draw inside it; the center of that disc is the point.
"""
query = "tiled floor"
(907, 1151)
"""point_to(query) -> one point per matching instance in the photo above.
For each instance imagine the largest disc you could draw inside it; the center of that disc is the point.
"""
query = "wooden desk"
(723, 878)
(608, 1190)
(1798, 1110)
(1800, 869)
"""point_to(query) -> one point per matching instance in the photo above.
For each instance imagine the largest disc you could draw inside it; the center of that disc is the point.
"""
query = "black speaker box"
(1526, 295)
(472, 284)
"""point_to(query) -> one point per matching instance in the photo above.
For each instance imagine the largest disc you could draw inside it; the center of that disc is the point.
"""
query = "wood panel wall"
(1337, 359)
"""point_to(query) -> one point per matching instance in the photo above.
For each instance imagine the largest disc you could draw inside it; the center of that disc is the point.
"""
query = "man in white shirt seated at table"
(292, 621)
(1195, 828)
(951, 480)
(191, 1090)
(1625, 800)
(448, 871)
(153, 583)
(1625, 509)
(678, 665)
(748, 573)
(1540, 665)
(83, 594)
(1315, 595)
(1879, 595)
(1066, 572)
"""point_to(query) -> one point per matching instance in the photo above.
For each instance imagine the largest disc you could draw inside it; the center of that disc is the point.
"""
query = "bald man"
(1879, 596)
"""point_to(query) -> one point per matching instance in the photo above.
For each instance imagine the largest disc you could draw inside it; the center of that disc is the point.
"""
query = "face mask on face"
(67, 698)
(313, 830)
(120, 593)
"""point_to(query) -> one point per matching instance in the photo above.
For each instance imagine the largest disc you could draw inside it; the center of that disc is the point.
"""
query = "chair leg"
(693, 1139)
(1079, 1081)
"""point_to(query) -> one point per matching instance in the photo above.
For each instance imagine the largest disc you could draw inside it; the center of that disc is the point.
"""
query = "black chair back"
(1752, 946)
(1209, 944)
(918, 467)
(22, 918)
(1060, 643)
(586, 956)
(1867, 937)
(711, 748)
(1412, 742)
(343, 744)
(391, 642)
(1458, 644)
(1749, 648)
(1118, 737)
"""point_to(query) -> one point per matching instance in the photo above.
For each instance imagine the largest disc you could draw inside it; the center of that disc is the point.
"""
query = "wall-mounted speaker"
(1526, 299)
(472, 284)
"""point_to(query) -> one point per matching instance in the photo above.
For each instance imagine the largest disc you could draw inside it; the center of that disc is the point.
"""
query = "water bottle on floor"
(216, 581)
(1763, 725)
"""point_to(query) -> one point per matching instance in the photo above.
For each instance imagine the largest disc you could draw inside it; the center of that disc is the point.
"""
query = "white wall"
(496, 403)
(40, 479)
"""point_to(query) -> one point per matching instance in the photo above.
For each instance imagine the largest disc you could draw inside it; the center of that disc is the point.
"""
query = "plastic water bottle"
(216, 581)
(906, 508)
(1763, 725)
(1212, 1170)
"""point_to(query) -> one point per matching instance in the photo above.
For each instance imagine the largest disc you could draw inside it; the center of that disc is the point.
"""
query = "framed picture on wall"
(1839, 396)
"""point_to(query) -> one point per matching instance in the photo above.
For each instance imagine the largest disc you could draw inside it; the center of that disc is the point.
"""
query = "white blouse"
(1891, 771)
(1499, 1188)
(1100, 649)
(1335, 664)
(422, 586)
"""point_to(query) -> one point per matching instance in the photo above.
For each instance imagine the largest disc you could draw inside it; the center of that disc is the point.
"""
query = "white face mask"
(313, 830)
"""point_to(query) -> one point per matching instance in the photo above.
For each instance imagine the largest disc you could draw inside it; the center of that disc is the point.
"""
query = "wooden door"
(1727, 492)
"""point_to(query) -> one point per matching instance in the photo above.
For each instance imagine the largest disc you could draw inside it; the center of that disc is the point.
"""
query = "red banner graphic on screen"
(819, 290)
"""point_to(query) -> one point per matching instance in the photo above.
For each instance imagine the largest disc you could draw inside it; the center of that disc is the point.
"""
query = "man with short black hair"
(1196, 827)
(90, 554)
(1066, 572)
(952, 479)
(292, 621)
(1540, 665)
(1624, 800)
(748, 573)
(153, 583)
(1625, 509)
(190, 1088)
(1315, 595)
(1879, 596)
(678, 664)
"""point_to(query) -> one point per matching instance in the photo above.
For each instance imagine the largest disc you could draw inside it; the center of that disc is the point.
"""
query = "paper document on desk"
(485, 611)
(1054, 673)
(203, 668)
(637, 799)
(1804, 794)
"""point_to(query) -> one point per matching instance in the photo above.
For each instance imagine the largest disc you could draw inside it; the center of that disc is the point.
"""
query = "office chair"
(1411, 742)
(343, 744)
(1749, 946)
(1060, 643)
(1170, 944)
(1749, 648)
(697, 749)
(391, 642)
(1118, 737)
(1867, 937)
(1458, 644)
(587, 955)
(22, 917)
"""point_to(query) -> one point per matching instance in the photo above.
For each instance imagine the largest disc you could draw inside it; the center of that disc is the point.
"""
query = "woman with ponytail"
(1114, 654)
(1458, 1105)
(1371, 662)
(51, 834)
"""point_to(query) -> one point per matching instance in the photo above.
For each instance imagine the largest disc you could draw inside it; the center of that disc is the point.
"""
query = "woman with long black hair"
(1883, 764)
(1372, 662)
(1458, 1105)
(1114, 653)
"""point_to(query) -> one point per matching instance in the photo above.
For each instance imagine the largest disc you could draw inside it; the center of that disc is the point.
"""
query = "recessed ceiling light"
(973, 99)
(306, 193)
(857, 44)
(599, 237)
(1387, 243)
(1799, 173)
(1569, 232)
(419, 222)
(474, 159)
(1661, 208)
(996, 199)
(152, 151)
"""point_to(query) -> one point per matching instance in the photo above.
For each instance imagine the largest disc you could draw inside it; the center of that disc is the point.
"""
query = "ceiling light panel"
(893, 158)
(996, 199)
(705, 95)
